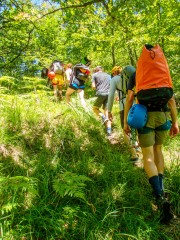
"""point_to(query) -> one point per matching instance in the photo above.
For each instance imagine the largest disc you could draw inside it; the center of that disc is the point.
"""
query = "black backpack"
(78, 74)
(44, 72)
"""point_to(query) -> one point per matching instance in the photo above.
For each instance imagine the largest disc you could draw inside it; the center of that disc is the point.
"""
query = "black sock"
(161, 177)
(154, 181)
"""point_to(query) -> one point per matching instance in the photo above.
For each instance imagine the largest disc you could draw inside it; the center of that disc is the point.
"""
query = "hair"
(98, 68)
(69, 65)
(116, 69)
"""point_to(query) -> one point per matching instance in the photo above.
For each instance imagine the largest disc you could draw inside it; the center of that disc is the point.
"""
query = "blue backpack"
(137, 116)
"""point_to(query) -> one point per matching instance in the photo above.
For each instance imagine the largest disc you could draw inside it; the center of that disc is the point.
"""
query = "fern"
(18, 182)
(72, 185)
(9, 207)
(17, 191)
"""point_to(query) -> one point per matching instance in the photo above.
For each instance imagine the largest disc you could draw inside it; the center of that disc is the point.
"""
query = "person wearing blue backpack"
(78, 78)
(160, 105)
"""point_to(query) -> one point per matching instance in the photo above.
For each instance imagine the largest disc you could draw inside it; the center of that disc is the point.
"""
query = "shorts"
(101, 101)
(58, 80)
(150, 134)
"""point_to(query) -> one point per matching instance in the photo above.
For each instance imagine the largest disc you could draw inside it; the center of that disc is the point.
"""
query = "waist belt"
(150, 109)
(163, 127)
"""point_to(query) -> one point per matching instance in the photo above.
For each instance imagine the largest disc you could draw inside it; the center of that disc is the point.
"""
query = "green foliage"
(60, 178)
(71, 185)
(16, 190)
(108, 32)
(7, 82)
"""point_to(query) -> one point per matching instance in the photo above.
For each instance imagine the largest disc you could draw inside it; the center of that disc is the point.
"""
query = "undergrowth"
(61, 178)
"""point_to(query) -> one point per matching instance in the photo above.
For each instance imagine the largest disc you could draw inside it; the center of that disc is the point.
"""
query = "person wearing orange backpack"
(153, 86)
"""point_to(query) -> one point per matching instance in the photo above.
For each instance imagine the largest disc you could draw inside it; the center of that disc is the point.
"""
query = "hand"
(110, 116)
(174, 130)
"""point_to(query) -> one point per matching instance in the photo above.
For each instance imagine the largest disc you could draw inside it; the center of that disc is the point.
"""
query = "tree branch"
(22, 49)
(71, 6)
(113, 17)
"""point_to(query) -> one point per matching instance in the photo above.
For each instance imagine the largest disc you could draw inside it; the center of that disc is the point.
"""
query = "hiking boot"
(135, 159)
(138, 149)
(165, 210)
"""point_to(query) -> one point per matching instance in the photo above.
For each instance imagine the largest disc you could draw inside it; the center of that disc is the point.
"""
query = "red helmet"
(51, 74)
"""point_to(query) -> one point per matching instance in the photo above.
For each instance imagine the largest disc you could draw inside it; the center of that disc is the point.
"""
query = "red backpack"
(153, 80)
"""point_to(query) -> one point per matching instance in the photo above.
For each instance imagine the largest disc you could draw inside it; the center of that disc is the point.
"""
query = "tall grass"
(61, 178)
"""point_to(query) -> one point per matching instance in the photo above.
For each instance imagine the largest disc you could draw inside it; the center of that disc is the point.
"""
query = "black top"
(132, 82)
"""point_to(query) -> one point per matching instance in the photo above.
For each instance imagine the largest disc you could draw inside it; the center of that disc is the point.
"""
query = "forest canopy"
(61, 176)
(109, 32)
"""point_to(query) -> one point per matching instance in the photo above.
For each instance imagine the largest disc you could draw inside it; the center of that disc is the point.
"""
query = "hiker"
(57, 75)
(80, 74)
(68, 72)
(119, 83)
(153, 134)
(101, 83)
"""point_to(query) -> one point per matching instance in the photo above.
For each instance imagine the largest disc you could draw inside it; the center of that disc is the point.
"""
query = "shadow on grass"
(117, 200)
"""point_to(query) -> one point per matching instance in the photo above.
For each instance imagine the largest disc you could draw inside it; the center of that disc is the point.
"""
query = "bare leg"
(81, 96)
(97, 111)
(149, 163)
(109, 123)
(158, 158)
(60, 91)
(69, 91)
(55, 92)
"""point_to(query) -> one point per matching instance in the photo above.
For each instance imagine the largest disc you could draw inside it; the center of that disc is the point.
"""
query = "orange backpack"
(153, 80)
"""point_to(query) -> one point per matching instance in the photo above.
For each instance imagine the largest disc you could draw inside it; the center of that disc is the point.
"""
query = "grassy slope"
(62, 179)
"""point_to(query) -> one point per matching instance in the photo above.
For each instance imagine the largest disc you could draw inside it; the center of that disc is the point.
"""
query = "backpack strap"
(121, 93)
(123, 83)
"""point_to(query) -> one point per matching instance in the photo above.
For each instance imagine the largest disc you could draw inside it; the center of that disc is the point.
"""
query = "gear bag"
(153, 80)
(77, 73)
(57, 68)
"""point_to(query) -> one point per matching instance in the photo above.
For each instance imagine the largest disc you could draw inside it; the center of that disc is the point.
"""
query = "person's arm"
(173, 111)
(111, 98)
(129, 103)
(67, 73)
(93, 85)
